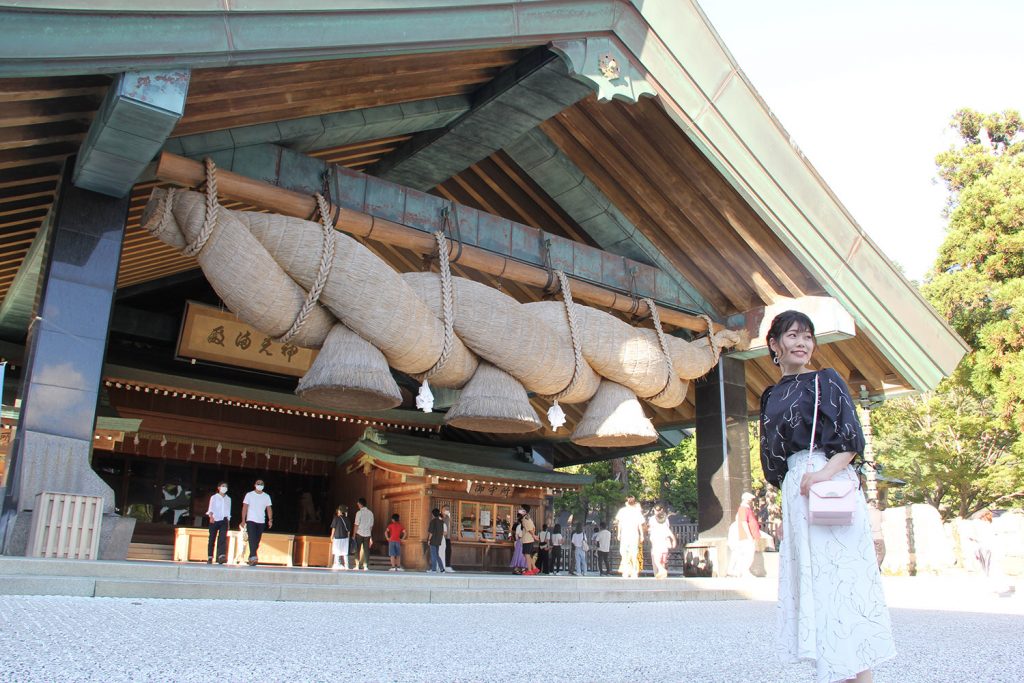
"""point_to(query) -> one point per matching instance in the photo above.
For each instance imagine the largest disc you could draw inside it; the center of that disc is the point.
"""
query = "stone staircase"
(135, 579)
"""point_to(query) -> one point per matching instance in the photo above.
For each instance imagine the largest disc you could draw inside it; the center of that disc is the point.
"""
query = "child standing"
(580, 546)
(395, 534)
(339, 538)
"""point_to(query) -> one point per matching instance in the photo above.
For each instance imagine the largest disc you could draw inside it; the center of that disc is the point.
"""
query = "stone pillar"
(64, 360)
(723, 460)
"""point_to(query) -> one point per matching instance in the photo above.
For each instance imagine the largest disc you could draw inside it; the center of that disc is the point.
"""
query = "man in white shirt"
(603, 540)
(257, 515)
(446, 544)
(363, 533)
(219, 514)
(630, 521)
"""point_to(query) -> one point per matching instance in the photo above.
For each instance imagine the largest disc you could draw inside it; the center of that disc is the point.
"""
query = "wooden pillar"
(723, 449)
(64, 360)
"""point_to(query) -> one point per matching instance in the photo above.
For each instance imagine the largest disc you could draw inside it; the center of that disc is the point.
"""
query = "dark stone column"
(723, 449)
(64, 357)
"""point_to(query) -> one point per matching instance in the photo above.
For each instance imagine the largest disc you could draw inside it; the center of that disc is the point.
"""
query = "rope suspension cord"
(716, 350)
(574, 335)
(656, 319)
(447, 309)
(210, 216)
(322, 273)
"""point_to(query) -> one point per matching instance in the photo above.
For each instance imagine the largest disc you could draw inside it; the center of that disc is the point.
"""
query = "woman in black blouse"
(831, 607)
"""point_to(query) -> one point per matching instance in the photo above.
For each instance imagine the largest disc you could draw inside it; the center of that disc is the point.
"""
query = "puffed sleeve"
(837, 415)
(772, 468)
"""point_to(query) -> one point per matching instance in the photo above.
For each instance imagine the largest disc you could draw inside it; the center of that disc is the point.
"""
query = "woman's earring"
(775, 359)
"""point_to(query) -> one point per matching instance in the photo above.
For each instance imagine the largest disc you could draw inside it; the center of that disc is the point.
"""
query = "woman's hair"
(435, 512)
(557, 529)
(579, 527)
(781, 324)
(342, 510)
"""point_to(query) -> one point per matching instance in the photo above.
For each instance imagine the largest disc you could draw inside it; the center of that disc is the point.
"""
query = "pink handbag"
(830, 503)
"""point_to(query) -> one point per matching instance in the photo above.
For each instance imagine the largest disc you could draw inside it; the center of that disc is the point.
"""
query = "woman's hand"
(810, 479)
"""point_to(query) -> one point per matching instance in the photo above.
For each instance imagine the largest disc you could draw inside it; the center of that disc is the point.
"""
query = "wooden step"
(150, 552)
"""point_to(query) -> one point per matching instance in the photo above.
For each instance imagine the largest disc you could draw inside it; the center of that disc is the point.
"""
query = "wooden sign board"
(211, 334)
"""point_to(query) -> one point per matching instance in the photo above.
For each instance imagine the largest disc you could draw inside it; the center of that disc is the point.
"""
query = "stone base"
(115, 535)
(60, 464)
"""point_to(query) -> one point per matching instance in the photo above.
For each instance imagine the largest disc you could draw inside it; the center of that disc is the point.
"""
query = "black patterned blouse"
(786, 412)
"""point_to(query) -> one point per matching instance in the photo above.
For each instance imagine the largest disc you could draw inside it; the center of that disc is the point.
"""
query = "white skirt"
(339, 546)
(831, 606)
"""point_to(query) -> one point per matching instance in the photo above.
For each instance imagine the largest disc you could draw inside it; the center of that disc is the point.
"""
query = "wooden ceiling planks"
(230, 97)
(42, 121)
(648, 167)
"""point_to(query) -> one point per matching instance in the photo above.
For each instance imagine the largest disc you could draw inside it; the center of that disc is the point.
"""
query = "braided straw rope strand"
(447, 308)
(322, 273)
(716, 351)
(210, 218)
(656, 319)
(574, 335)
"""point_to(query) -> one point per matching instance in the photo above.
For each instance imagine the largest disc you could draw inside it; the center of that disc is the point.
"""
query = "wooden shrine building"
(614, 141)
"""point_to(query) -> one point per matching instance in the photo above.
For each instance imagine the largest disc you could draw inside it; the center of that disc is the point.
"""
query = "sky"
(867, 90)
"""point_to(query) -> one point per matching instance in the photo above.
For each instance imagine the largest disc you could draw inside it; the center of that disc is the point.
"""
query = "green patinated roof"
(445, 456)
(699, 84)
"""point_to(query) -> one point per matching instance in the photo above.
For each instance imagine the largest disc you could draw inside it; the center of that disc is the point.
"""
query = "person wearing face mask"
(219, 514)
(257, 515)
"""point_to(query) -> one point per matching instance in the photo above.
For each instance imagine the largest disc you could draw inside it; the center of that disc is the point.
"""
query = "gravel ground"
(116, 639)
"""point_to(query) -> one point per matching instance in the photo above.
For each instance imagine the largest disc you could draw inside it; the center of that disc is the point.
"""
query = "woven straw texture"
(486, 320)
(349, 374)
(614, 418)
(255, 288)
(490, 345)
(366, 294)
(493, 401)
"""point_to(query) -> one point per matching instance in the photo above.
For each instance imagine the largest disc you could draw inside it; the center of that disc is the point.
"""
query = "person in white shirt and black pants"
(219, 513)
(257, 515)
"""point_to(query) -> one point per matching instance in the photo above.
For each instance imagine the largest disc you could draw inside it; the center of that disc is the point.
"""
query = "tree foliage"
(660, 476)
(977, 282)
(950, 448)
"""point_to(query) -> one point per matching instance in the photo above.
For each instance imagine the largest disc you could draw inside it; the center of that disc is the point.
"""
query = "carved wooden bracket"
(600, 62)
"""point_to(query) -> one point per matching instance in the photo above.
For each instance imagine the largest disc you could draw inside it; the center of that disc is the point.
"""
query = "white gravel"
(120, 639)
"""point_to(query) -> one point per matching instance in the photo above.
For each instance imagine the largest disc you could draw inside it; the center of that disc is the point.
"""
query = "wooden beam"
(183, 171)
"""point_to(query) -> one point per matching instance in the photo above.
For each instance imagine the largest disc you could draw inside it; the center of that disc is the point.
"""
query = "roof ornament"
(601, 63)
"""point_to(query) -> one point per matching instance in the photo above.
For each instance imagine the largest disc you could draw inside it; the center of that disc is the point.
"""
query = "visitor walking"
(446, 544)
(395, 534)
(529, 539)
(257, 516)
(630, 522)
(435, 535)
(557, 552)
(363, 535)
(339, 538)
(744, 533)
(662, 541)
(518, 562)
(603, 539)
(580, 548)
(544, 550)
(831, 606)
(219, 514)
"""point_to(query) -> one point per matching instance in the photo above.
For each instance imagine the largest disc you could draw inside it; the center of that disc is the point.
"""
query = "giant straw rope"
(296, 279)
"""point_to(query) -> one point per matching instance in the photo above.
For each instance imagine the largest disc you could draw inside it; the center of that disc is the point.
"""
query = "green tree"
(977, 282)
(950, 448)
